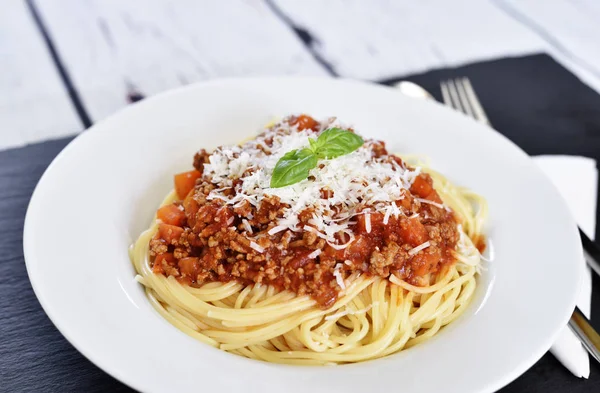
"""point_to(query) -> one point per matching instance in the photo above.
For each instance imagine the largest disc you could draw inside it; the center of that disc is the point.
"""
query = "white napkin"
(576, 178)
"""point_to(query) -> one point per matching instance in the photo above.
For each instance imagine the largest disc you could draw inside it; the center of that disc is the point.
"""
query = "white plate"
(102, 190)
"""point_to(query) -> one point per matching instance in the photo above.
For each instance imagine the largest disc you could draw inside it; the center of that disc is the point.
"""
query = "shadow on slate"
(544, 109)
(34, 356)
(532, 100)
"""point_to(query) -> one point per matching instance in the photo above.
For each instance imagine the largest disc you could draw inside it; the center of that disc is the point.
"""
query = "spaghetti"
(363, 312)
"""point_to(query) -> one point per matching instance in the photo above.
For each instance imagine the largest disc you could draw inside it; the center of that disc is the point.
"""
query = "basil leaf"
(293, 167)
(335, 142)
(313, 144)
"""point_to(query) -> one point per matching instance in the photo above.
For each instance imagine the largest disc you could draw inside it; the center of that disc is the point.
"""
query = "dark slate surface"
(34, 356)
(532, 100)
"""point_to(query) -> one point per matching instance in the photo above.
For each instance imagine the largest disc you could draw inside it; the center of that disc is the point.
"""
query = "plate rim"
(98, 127)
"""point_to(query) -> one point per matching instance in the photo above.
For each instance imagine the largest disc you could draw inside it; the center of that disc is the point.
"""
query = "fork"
(459, 94)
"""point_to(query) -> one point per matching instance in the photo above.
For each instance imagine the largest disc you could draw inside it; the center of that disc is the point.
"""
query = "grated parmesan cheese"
(388, 213)
(314, 254)
(347, 311)
(277, 229)
(247, 226)
(418, 248)
(356, 180)
(427, 201)
(256, 247)
(338, 276)
(368, 221)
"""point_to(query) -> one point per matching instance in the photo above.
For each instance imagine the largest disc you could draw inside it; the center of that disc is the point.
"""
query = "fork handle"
(582, 328)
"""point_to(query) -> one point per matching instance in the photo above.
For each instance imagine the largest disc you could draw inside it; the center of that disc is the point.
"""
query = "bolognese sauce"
(222, 229)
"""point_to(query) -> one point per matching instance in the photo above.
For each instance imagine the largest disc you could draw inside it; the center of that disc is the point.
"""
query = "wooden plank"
(569, 29)
(111, 46)
(34, 104)
(385, 39)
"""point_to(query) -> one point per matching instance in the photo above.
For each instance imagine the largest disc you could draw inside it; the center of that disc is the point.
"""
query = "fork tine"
(454, 96)
(445, 94)
(474, 101)
(449, 95)
(464, 98)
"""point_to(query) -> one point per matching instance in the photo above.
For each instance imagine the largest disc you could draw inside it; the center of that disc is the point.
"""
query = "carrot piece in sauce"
(167, 258)
(189, 266)
(411, 231)
(185, 182)
(421, 187)
(171, 214)
(305, 122)
(170, 233)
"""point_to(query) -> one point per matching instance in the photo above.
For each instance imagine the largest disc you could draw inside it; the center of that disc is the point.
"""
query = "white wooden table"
(66, 64)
